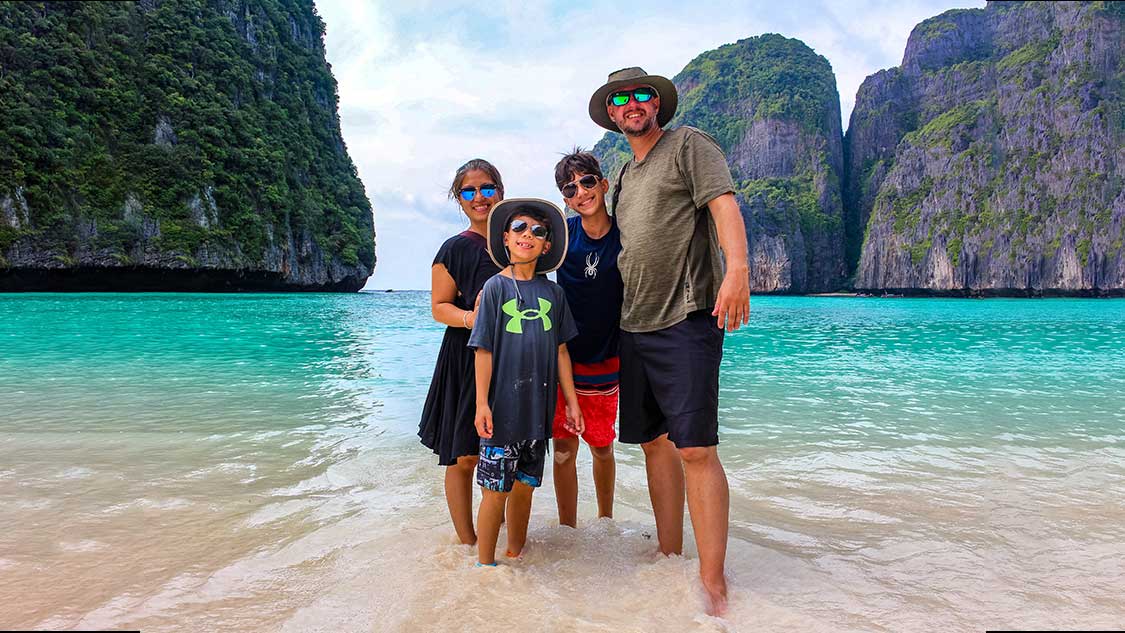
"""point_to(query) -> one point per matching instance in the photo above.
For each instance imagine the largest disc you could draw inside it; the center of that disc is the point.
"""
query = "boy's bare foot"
(511, 554)
(715, 593)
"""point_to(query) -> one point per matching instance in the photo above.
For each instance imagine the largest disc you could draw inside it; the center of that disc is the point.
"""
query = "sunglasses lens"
(467, 194)
(588, 181)
(488, 192)
(538, 230)
(643, 94)
(518, 226)
(569, 190)
(619, 98)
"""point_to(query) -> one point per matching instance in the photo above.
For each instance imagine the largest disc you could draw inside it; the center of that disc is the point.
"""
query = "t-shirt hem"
(509, 442)
(644, 328)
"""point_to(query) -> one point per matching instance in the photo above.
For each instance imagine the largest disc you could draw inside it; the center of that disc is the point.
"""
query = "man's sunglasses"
(588, 181)
(486, 190)
(642, 95)
(537, 230)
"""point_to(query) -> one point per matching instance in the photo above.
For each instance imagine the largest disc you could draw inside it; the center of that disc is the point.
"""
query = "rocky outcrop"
(175, 146)
(772, 105)
(992, 161)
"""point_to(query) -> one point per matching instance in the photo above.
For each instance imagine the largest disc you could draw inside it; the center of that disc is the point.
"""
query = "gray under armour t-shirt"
(523, 330)
(670, 262)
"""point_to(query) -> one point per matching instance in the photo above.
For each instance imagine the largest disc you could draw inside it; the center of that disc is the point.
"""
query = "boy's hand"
(575, 423)
(483, 421)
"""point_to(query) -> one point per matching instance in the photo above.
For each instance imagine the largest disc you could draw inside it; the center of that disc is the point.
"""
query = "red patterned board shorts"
(596, 384)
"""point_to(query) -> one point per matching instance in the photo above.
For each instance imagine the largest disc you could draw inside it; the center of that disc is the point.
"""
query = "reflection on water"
(176, 462)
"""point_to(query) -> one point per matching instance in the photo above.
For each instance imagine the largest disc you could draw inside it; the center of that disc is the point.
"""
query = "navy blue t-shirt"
(592, 283)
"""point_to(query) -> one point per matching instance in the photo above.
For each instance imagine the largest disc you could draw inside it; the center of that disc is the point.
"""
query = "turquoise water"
(247, 460)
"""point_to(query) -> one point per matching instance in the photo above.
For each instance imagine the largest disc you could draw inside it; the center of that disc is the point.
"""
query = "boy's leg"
(496, 470)
(566, 480)
(528, 477)
(600, 411)
(605, 472)
(488, 524)
(459, 497)
(519, 515)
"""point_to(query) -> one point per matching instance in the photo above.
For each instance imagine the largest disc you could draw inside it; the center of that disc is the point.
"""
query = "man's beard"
(645, 129)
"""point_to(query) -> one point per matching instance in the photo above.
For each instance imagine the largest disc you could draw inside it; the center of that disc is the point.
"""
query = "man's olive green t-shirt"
(670, 261)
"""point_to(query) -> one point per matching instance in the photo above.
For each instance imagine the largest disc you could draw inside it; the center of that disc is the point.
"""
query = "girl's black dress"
(447, 418)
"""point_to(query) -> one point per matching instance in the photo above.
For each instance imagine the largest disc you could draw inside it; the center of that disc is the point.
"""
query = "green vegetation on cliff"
(768, 77)
(986, 161)
(182, 130)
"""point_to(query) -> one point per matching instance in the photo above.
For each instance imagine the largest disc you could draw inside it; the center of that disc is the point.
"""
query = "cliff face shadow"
(151, 279)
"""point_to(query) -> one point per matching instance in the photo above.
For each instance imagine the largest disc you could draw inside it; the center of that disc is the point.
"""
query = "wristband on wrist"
(465, 319)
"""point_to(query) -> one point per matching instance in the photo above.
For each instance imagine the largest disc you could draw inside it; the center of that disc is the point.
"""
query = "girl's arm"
(574, 422)
(483, 419)
(443, 290)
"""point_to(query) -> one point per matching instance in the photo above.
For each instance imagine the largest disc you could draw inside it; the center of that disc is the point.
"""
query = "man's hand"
(483, 421)
(732, 306)
(575, 423)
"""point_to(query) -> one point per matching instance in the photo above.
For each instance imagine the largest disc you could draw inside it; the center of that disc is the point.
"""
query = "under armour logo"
(592, 261)
(515, 324)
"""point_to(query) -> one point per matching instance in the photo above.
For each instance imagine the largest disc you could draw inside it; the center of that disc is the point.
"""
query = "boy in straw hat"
(684, 268)
(520, 336)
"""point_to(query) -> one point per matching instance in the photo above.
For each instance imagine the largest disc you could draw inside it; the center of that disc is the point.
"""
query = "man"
(675, 207)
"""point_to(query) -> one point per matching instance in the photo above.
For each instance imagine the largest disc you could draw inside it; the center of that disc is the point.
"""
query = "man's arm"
(574, 421)
(732, 306)
(483, 419)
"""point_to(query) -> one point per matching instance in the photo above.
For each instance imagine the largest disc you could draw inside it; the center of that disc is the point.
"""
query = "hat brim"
(665, 88)
(501, 215)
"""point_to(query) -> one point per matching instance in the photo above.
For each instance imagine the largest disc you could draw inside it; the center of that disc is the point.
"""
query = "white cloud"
(426, 86)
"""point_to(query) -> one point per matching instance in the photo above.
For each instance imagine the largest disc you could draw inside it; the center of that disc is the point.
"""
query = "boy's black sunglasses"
(537, 230)
(588, 181)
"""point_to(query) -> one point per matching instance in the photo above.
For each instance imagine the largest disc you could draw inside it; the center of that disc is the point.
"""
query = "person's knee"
(467, 463)
(659, 445)
(566, 452)
(698, 455)
(602, 453)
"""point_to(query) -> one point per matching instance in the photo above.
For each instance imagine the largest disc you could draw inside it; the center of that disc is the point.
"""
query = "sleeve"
(447, 254)
(568, 329)
(484, 328)
(704, 168)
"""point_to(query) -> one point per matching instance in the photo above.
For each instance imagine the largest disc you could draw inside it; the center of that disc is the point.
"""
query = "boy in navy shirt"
(520, 336)
(593, 288)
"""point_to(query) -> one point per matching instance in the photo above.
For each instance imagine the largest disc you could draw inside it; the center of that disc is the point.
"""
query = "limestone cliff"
(187, 145)
(992, 161)
(771, 103)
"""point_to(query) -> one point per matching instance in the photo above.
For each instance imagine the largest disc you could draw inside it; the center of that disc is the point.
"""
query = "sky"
(425, 86)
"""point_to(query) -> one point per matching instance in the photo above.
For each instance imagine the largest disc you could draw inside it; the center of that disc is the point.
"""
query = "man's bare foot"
(715, 593)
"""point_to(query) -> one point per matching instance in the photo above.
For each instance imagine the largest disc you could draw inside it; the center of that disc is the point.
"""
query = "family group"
(637, 319)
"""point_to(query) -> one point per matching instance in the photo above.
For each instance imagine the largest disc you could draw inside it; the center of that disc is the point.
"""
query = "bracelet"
(465, 319)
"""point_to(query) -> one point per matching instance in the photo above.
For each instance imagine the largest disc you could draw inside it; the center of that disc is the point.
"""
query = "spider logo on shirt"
(592, 261)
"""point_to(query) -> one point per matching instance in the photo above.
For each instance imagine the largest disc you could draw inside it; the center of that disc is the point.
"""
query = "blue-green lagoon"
(249, 462)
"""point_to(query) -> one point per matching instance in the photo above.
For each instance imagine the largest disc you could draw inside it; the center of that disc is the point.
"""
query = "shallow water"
(248, 462)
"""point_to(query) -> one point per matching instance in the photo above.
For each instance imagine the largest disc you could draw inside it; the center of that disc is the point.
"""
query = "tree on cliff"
(177, 135)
